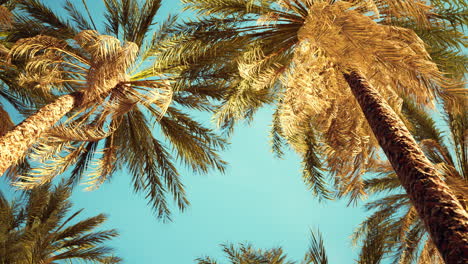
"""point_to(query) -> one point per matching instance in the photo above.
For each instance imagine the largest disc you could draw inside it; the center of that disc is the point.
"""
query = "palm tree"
(6, 18)
(311, 57)
(247, 254)
(14, 96)
(405, 236)
(316, 253)
(37, 230)
(108, 96)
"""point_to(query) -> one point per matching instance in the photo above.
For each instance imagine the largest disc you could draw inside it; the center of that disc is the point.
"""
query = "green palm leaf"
(37, 230)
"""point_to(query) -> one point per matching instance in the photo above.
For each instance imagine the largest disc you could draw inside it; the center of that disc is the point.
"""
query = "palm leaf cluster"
(40, 228)
(405, 239)
(124, 89)
(292, 54)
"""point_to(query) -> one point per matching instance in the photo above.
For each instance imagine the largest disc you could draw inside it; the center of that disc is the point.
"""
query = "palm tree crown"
(316, 253)
(120, 90)
(37, 230)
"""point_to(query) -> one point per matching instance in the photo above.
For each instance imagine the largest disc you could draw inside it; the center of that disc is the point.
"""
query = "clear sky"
(260, 199)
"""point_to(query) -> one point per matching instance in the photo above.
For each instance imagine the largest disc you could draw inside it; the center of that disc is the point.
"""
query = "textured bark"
(443, 215)
(15, 143)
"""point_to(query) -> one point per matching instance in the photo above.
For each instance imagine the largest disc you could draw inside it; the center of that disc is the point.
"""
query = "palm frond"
(277, 139)
(313, 173)
(373, 247)
(194, 143)
(42, 231)
(227, 7)
(83, 162)
(6, 18)
(79, 20)
(457, 119)
(316, 253)
(421, 125)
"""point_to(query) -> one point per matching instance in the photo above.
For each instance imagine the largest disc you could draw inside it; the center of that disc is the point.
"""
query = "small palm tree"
(246, 253)
(111, 94)
(37, 230)
(312, 58)
(316, 253)
(405, 239)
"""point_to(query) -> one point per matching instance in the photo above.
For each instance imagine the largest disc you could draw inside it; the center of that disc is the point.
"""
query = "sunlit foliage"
(41, 229)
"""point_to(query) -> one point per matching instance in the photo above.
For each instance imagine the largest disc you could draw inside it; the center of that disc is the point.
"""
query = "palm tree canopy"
(38, 229)
(292, 54)
(127, 85)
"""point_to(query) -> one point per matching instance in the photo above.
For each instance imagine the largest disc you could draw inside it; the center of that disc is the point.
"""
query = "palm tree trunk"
(15, 143)
(443, 215)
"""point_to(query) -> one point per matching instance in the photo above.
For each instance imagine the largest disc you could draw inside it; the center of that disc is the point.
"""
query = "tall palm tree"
(37, 230)
(313, 57)
(108, 96)
(405, 236)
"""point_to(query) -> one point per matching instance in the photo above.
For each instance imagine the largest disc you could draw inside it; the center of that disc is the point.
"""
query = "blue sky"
(260, 199)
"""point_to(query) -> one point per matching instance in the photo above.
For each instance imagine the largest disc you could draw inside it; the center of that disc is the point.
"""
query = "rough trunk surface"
(443, 215)
(15, 143)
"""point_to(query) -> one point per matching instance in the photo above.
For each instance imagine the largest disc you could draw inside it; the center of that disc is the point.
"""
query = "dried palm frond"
(108, 64)
(343, 35)
(53, 62)
(55, 165)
